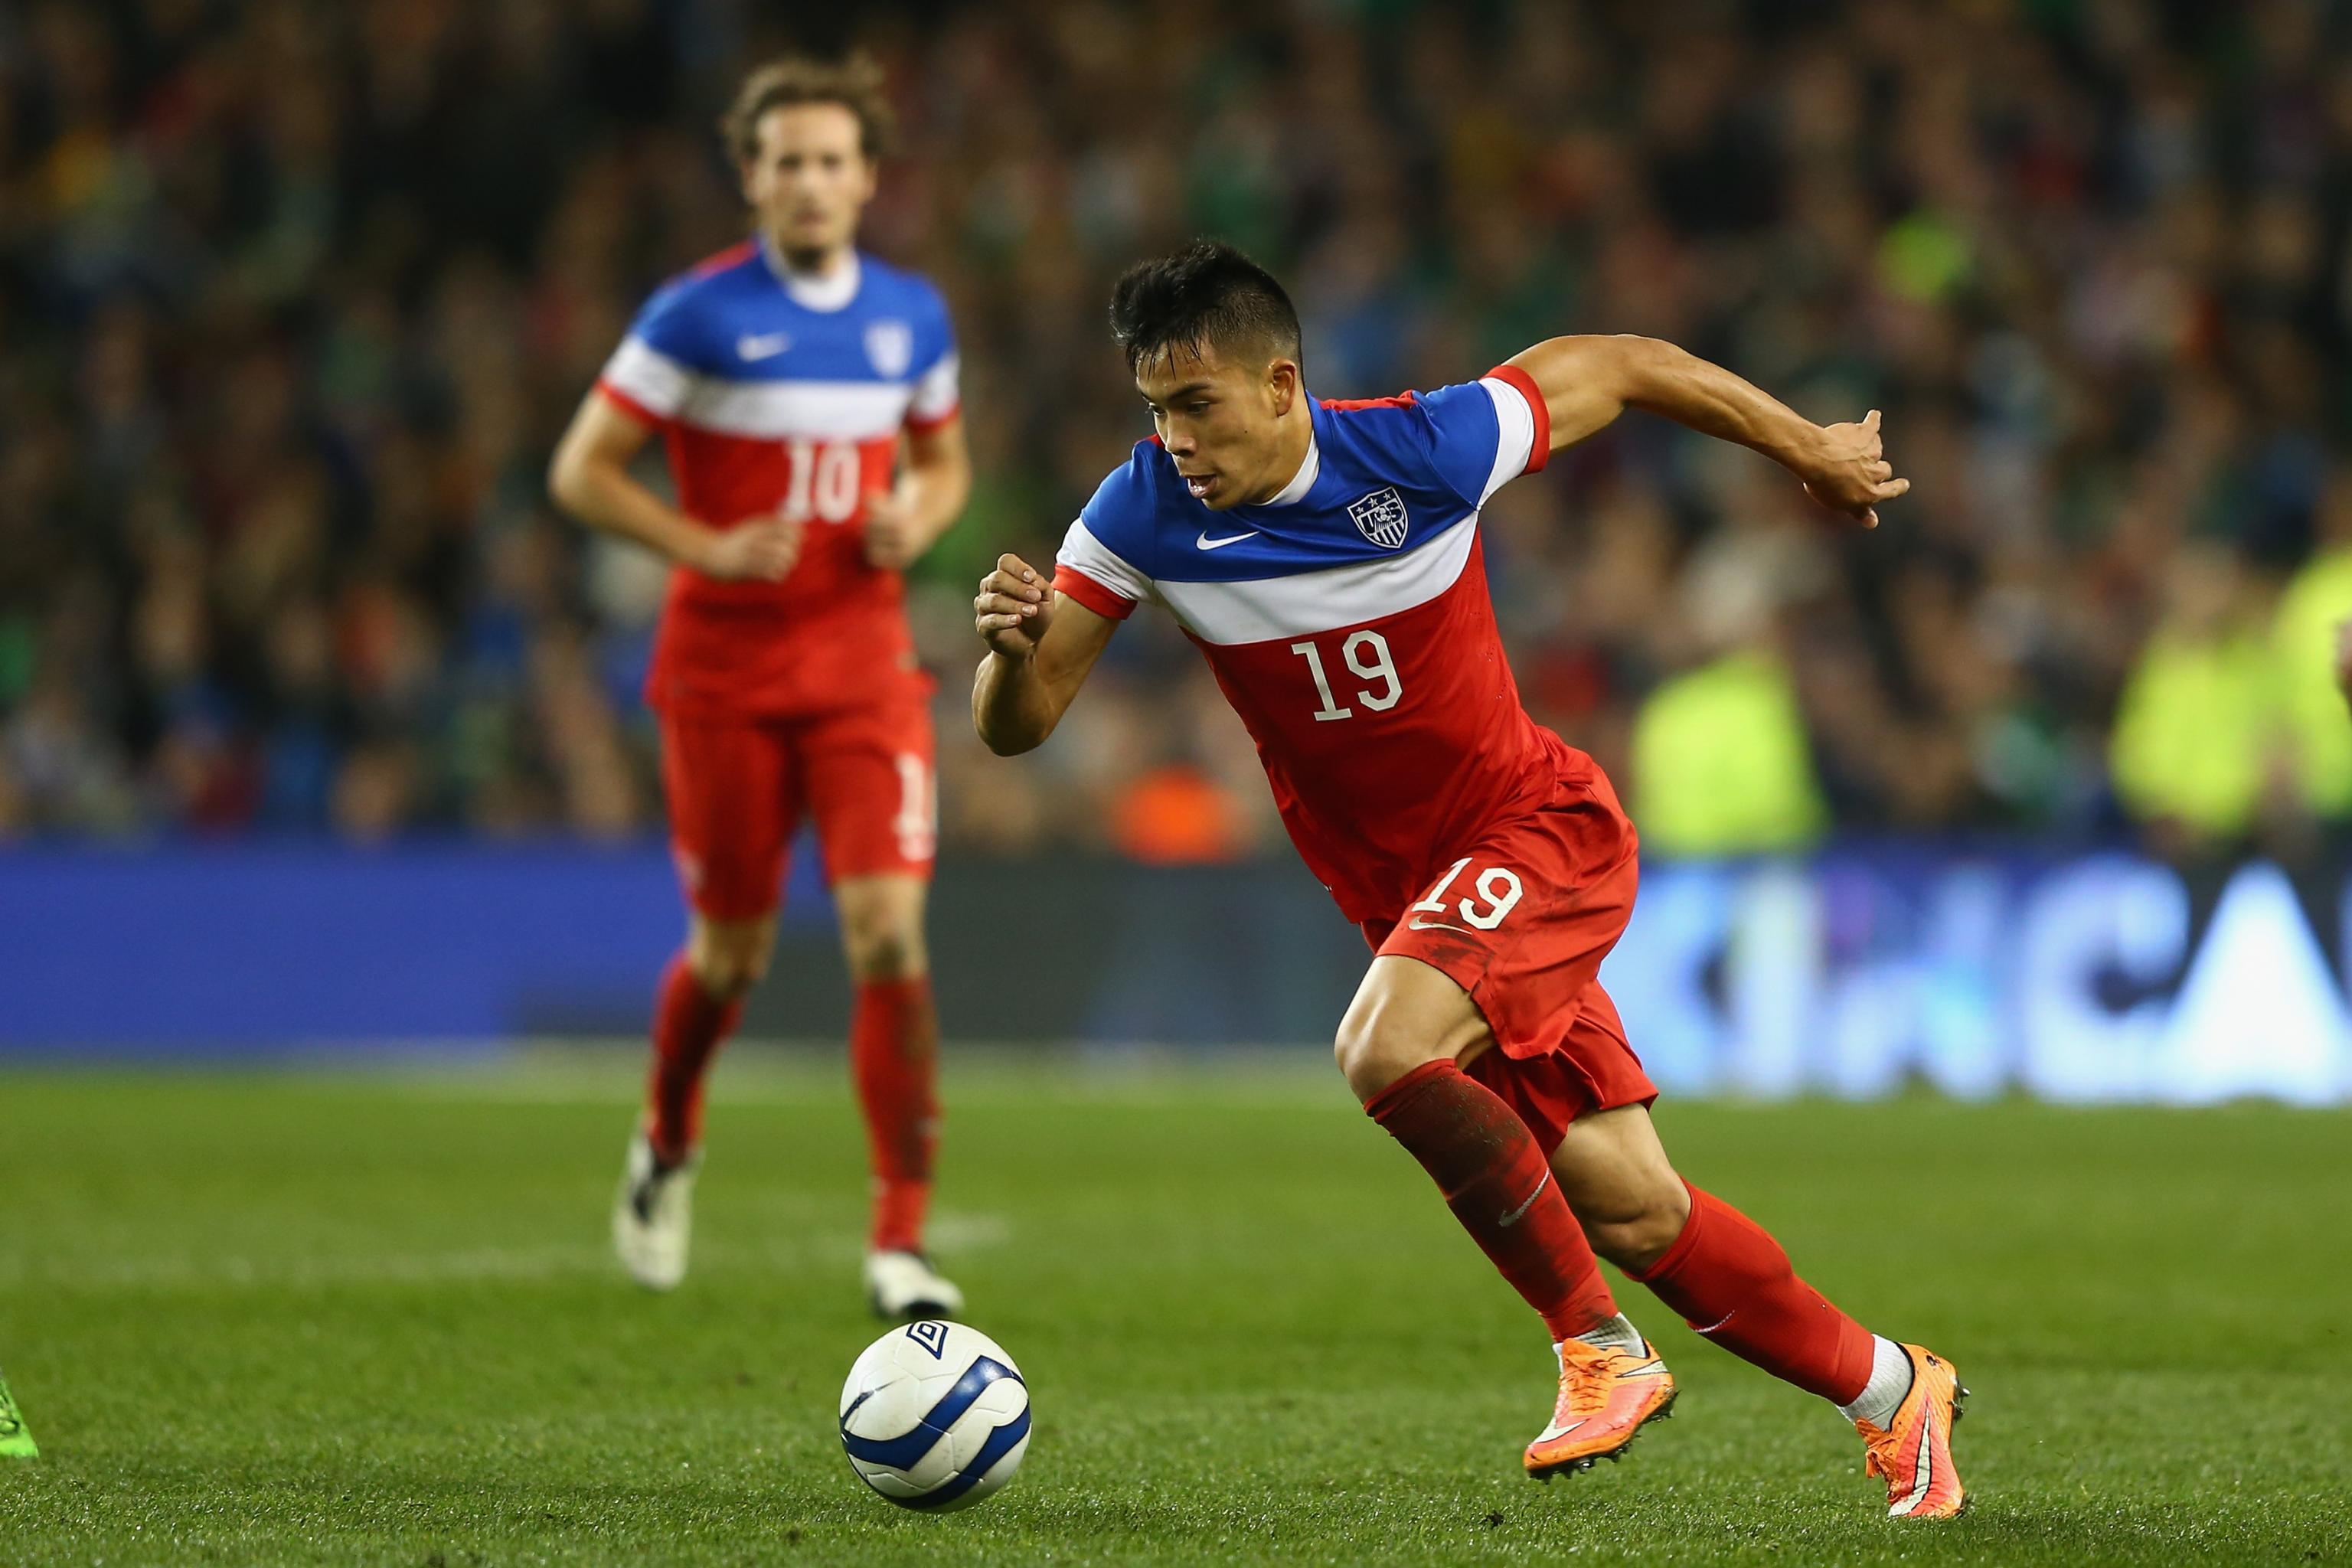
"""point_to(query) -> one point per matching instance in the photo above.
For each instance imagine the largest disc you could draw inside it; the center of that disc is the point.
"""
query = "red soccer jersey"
(1348, 623)
(777, 395)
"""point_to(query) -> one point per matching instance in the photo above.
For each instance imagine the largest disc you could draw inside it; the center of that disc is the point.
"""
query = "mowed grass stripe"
(311, 1318)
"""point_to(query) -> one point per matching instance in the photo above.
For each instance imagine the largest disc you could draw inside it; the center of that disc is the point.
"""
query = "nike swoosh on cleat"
(1512, 1218)
(1205, 542)
(1923, 1465)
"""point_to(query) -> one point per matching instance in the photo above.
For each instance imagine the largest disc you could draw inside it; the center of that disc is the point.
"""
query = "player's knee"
(1373, 1053)
(885, 953)
(729, 975)
(883, 945)
(1636, 1230)
(727, 964)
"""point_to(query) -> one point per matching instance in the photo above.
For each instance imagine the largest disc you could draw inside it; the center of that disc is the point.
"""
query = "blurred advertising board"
(2081, 977)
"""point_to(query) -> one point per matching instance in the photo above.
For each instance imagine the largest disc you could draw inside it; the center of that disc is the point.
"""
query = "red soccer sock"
(893, 1047)
(1499, 1186)
(1733, 1283)
(689, 1026)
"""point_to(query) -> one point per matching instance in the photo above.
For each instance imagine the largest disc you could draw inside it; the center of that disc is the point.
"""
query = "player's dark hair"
(855, 82)
(1207, 295)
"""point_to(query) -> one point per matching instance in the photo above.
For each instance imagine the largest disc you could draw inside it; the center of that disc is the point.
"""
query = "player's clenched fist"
(763, 549)
(1848, 470)
(1012, 607)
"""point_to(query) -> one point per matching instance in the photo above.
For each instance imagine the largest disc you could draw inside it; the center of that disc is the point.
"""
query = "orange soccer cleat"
(1606, 1395)
(1914, 1451)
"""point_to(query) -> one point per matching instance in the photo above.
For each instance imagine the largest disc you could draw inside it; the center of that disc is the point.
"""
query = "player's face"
(1220, 418)
(811, 180)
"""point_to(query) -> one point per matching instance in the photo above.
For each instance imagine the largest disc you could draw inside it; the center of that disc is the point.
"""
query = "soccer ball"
(935, 1415)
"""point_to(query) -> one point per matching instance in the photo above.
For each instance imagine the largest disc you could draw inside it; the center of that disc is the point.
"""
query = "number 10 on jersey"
(823, 483)
(1366, 653)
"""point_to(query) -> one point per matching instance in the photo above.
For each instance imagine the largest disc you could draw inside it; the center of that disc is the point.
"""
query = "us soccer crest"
(891, 346)
(1379, 517)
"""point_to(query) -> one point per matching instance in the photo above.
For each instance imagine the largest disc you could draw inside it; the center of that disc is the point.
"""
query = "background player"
(1326, 558)
(782, 374)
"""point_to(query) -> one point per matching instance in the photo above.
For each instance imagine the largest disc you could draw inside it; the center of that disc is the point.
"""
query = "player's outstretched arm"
(589, 478)
(1586, 382)
(1041, 645)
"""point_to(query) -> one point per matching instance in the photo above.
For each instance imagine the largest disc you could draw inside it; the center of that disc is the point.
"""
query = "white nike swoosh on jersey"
(762, 345)
(1205, 542)
(1417, 923)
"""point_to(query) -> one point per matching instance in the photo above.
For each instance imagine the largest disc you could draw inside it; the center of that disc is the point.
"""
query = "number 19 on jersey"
(1366, 654)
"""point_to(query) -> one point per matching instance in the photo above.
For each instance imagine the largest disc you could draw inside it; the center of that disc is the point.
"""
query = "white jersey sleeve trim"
(1517, 442)
(1083, 553)
(938, 391)
(1308, 603)
(648, 377)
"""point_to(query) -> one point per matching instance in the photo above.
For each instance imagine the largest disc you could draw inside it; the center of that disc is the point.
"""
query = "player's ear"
(1282, 379)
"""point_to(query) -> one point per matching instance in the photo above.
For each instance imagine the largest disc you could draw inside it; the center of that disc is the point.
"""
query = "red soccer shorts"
(1521, 923)
(738, 787)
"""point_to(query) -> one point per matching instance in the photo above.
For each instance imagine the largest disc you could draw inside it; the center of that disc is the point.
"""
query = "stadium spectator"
(295, 295)
(2199, 738)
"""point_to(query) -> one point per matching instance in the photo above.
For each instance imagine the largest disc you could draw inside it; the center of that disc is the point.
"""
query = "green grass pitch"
(346, 1319)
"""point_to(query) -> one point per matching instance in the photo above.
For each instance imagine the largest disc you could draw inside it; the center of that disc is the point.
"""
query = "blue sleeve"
(1464, 436)
(670, 324)
(1121, 511)
(934, 330)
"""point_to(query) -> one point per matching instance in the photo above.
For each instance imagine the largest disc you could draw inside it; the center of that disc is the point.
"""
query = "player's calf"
(1624, 1191)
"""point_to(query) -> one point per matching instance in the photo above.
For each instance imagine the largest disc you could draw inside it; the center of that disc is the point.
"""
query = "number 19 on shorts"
(1365, 653)
(1498, 892)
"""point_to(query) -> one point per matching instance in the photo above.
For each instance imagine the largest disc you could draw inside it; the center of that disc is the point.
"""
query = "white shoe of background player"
(904, 1284)
(653, 1216)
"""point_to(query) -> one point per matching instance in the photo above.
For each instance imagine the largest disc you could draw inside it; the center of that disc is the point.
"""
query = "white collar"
(822, 291)
(1304, 480)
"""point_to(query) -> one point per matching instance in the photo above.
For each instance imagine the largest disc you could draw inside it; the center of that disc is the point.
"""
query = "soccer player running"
(1326, 558)
(784, 375)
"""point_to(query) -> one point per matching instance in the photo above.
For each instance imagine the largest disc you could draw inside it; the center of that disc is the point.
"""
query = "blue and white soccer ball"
(935, 1415)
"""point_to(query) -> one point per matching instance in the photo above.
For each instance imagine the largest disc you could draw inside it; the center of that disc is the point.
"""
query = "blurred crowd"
(296, 294)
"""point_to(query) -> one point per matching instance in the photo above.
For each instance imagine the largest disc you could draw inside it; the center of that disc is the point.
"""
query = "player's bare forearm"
(1586, 382)
(1041, 647)
(1013, 708)
(938, 473)
(908, 520)
(589, 478)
